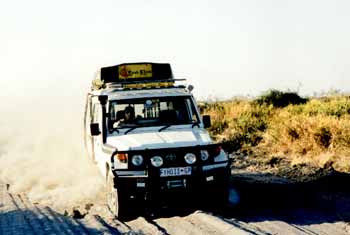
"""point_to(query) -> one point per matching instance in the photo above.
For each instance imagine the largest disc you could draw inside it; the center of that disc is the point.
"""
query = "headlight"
(157, 161)
(204, 155)
(137, 160)
(190, 158)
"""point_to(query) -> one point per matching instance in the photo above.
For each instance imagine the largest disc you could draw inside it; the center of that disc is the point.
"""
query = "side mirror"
(206, 121)
(94, 129)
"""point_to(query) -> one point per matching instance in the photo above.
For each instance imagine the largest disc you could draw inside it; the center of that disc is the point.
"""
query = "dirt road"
(20, 216)
(278, 214)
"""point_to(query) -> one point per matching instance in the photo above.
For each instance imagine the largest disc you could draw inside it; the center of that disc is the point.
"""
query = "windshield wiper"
(113, 129)
(131, 129)
(164, 127)
(195, 124)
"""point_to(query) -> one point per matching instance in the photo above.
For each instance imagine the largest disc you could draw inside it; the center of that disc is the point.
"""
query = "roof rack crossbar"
(120, 84)
(115, 89)
(146, 81)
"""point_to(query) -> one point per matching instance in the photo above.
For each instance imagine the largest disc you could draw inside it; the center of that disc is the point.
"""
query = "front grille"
(176, 158)
(170, 158)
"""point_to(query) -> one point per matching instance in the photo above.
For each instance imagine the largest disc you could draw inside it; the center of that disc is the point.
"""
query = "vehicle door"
(97, 140)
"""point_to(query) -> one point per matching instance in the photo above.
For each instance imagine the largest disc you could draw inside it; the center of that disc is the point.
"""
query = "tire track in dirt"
(20, 216)
(13, 220)
(147, 227)
(273, 225)
(222, 226)
(196, 223)
(179, 225)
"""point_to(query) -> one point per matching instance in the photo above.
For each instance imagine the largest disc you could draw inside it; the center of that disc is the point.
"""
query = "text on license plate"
(175, 171)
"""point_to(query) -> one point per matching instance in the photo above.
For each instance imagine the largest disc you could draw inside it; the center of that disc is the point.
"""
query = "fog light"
(157, 161)
(190, 158)
(137, 160)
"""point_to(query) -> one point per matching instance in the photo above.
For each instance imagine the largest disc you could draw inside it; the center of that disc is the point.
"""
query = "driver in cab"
(129, 115)
(126, 118)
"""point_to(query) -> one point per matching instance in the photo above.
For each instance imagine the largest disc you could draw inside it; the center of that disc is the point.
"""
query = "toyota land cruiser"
(147, 137)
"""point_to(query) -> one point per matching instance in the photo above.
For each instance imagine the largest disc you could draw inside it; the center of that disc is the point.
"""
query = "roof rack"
(160, 83)
(120, 84)
(135, 76)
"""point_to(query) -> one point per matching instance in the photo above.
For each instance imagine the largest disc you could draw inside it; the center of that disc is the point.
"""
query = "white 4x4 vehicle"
(147, 137)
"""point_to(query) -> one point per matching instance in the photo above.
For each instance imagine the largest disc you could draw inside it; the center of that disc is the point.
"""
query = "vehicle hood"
(164, 139)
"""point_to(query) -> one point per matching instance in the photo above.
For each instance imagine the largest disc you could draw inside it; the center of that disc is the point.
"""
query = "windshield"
(162, 111)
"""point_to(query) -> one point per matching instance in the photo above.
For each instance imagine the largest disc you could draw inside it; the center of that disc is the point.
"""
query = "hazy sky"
(224, 48)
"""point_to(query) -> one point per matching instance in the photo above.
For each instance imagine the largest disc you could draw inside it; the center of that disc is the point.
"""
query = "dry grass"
(315, 130)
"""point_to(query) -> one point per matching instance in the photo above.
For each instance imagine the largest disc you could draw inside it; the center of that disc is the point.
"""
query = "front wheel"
(114, 200)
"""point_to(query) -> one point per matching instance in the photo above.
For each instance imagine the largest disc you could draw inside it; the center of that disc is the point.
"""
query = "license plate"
(175, 171)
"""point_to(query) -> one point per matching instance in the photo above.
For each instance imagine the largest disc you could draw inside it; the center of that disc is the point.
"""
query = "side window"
(193, 112)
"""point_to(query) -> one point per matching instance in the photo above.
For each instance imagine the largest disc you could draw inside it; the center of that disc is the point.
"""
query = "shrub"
(247, 127)
(217, 114)
(323, 137)
(337, 106)
(293, 133)
(280, 99)
(304, 130)
(218, 126)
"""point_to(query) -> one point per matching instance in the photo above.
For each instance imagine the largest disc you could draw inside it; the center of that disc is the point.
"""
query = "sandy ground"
(282, 209)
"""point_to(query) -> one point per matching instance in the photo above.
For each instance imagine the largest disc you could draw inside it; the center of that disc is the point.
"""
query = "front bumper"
(147, 184)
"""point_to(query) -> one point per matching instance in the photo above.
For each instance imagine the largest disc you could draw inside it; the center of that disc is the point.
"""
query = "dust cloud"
(41, 149)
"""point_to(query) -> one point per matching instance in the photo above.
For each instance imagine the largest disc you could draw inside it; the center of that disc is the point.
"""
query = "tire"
(114, 200)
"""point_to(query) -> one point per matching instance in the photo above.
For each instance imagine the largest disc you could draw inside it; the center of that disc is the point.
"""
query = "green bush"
(217, 126)
(285, 124)
(248, 128)
(280, 99)
(331, 107)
